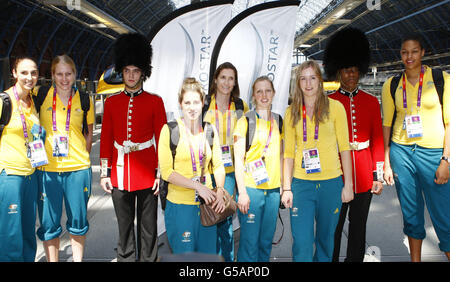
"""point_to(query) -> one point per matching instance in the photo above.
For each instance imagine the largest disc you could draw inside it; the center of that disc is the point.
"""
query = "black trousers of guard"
(357, 217)
(143, 204)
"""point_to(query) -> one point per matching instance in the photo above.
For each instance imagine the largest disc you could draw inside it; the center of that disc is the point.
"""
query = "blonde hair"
(63, 59)
(191, 84)
(321, 107)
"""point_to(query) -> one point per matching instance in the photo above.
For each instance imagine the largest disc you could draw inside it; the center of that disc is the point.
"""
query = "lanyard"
(419, 94)
(270, 134)
(22, 117)
(69, 107)
(316, 130)
(200, 151)
(228, 120)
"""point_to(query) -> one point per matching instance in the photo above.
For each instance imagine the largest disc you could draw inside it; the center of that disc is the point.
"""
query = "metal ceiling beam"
(93, 12)
(65, 14)
(330, 19)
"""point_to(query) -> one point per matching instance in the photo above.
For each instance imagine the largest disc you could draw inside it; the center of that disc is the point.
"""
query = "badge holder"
(413, 125)
(60, 146)
(311, 161)
(227, 159)
(258, 171)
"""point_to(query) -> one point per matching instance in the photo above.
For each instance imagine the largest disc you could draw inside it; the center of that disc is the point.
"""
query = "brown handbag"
(209, 217)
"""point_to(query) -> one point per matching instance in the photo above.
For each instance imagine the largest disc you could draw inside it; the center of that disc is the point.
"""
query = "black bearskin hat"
(346, 48)
(133, 49)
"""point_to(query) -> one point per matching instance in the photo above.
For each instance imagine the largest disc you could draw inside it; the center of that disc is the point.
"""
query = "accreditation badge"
(227, 160)
(414, 127)
(311, 160)
(201, 180)
(60, 146)
(258, 171)
(37, 154)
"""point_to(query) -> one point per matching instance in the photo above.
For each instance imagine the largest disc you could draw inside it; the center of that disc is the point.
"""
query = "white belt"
(357, 146)
(127, 148)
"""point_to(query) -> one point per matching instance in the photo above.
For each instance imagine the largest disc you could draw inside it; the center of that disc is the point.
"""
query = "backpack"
(438, 79)
(5, 115)
(238, 104)
(84, 101)
(251, 128)
(174, 133)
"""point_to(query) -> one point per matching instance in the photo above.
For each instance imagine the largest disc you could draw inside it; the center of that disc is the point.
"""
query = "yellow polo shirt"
(78, 155)
(430, 111)
(333, 138)
(272, 156)
(226, 138)
(13, 154)
(182, 163)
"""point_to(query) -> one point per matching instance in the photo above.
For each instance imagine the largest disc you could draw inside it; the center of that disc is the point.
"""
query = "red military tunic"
(364, 123)
(137, 119)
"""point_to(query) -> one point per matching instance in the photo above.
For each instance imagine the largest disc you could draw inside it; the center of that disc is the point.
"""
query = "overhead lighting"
(93, 12)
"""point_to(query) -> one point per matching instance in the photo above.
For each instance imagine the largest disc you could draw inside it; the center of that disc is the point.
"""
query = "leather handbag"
(208, 215)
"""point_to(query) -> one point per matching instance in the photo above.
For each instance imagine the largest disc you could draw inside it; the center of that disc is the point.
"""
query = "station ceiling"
(46, 28)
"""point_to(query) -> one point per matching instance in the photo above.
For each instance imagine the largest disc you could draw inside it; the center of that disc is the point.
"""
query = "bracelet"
(286, 190)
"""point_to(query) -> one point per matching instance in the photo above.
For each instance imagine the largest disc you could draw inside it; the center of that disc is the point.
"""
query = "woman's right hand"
(388, 175)
(287, 198)
(244, 203)
(208, 195)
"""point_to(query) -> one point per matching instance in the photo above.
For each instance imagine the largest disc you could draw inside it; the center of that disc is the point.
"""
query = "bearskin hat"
(346, 48)
(133, 49)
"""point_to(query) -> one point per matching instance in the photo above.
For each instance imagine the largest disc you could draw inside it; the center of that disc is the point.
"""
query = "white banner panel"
(183, 47)
(259, 41)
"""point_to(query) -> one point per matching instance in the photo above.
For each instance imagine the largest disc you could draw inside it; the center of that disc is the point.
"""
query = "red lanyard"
(419, 94)
(69, 107)
(316, 130)
(228, 120)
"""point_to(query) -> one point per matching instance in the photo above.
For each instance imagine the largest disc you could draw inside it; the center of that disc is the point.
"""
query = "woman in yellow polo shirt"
(418, 149)
(316, 135)
(189, 175)
(258, 174)
(68, 173)
(18, 159)
(223, 110)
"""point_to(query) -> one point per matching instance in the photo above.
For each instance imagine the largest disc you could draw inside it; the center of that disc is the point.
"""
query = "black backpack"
(84, 101)
(174, 133)
(438, 79)
(251, 128)
(6, 113)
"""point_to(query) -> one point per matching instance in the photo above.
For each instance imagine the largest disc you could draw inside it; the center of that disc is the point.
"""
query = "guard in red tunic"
(346, 58)
(132, 121)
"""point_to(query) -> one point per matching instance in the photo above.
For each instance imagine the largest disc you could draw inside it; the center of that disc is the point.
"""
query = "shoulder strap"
(174, 134)
(438, 79)
(239, 105)
(85, 106)
(251, 128)
(209, 133)
(394, 85)
(40, 97)
(393, 88)
(5, 115)
(279, 121)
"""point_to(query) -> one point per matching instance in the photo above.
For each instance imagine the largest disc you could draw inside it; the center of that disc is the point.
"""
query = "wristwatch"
(445, 158)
